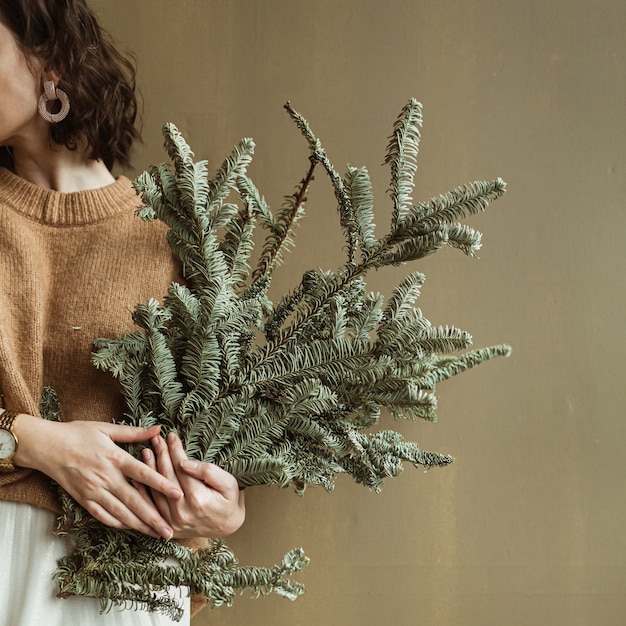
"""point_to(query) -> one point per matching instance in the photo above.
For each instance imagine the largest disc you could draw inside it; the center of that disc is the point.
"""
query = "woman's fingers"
(133, 509)
(122, 433)
(213, 476)
(157, 499)
(138, 471)
(178, 456)
(212, 505)
(113, 512)
(141, 489)
(85, 460)
(167, 484)
(163, 459)
(135, 469)
(161, 501)
(210, 474)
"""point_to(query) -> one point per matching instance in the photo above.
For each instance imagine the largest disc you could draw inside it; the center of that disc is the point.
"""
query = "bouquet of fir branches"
(276, 393)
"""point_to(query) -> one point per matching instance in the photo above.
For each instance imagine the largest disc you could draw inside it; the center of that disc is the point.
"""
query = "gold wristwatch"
(8, 441)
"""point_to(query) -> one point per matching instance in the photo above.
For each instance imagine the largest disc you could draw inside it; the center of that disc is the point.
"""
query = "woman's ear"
(49, 74)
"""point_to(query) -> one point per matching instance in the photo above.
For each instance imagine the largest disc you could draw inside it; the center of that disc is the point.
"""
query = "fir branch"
(401, 156)
(447, 367)
(124, 568)
(347, 217)
(447, 208)
(359, 188)
(233, 167)
(280, 229)
(237, 246)
(285, 393)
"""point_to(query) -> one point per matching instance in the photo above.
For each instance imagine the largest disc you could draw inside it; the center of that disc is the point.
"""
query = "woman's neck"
(60, 169)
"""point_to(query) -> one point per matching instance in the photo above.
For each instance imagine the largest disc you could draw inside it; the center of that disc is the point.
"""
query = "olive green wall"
(527, 527)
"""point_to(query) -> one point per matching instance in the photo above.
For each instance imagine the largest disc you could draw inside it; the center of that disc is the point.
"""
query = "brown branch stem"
(298, 199)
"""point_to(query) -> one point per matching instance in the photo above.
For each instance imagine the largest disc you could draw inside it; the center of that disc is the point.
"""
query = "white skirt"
(28, 556)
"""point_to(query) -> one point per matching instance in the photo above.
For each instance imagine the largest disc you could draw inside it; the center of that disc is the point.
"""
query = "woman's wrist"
(26, 428)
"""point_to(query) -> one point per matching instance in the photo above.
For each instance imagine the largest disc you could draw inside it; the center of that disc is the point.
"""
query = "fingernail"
(171, 438)
(192, 465)
(146, 454)
(167, 533)
(176, 494)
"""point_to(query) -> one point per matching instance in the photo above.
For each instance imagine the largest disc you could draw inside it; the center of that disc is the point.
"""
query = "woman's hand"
(212, 504)
(84, 459)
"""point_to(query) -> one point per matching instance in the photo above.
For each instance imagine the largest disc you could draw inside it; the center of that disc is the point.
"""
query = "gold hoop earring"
(50, 94)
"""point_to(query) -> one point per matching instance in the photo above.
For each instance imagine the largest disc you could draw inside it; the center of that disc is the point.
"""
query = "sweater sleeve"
(72, 266)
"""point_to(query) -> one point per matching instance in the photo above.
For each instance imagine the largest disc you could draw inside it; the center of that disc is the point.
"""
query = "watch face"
(7, 444)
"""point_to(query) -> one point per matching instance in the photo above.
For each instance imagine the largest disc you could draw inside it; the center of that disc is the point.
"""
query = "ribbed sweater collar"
(57, 208)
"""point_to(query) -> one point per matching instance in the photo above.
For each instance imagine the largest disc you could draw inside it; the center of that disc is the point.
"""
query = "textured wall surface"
(527, 527)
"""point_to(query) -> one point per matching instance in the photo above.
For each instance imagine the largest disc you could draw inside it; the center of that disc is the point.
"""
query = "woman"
(73, 257)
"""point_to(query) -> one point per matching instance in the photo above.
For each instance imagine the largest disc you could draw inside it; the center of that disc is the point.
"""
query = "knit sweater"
(71, 266)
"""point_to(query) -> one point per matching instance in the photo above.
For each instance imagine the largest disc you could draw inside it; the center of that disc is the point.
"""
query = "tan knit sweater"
(71, 265)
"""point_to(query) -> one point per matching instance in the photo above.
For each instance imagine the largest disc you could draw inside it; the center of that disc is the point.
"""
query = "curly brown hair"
(100, 82)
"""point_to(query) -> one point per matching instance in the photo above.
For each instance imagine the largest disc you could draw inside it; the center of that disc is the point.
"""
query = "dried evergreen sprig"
(127, 568)
(285, 392)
